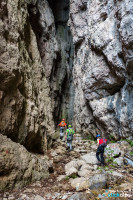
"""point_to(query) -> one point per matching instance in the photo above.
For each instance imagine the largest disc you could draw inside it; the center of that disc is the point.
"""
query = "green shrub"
(72, 176)
(129, 141)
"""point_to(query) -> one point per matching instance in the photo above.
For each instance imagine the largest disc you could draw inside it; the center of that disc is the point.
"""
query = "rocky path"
(75, 175)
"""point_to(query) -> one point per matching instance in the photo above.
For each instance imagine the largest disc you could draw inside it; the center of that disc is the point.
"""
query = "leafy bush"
(130, 142)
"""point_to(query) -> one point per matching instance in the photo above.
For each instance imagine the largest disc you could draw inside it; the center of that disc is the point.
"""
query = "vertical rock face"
(38, 82)
(103, 66)
(25, 111)
(49, 22)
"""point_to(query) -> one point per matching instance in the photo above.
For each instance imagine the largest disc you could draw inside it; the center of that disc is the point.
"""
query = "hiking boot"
(99, 163)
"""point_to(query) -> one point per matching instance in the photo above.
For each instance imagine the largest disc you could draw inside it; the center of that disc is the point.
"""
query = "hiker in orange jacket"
(62, 125)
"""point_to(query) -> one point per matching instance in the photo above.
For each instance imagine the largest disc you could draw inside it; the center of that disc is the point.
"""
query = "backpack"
(103, 142)
(70, 134)
(62, 124)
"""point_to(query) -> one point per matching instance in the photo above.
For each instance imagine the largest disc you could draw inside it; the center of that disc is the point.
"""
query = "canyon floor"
(75, 175)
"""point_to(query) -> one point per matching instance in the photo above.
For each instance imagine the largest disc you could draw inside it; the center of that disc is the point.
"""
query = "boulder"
(71, 171)
(119, 161)
(98, 181)
(60, 150)
(114, 178)
(74, 163)
(18, 167)
(90, 158)
(112, 150)
(84, 173)
(79, 183)
(114, 173)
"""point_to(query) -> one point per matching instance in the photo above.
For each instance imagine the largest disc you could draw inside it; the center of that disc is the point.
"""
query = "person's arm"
(97, 142)
(66, 134)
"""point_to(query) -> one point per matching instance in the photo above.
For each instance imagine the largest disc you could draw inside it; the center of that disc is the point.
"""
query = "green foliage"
(129, 141)
(72, 176)
(110, 171)
(99, 168)
(67, 178)
(131, 153)
(114, 162)
(110, 159)
(112, 141)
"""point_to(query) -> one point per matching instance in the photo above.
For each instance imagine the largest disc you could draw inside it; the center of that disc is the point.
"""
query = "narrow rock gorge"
(69, 59)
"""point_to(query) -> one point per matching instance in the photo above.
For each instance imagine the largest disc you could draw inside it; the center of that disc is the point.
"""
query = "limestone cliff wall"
(49, 22)
(103, 66)
(25, 104)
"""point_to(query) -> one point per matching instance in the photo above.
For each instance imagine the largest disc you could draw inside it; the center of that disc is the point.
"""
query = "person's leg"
(68, 145)
(102, 156)
(97, 154)
(71, 145)
(61, 135)
(62, 132)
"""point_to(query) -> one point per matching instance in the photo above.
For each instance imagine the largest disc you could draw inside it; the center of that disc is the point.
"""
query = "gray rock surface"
(80, 183)
(90, 158)
(103, 64)
(112, 150)
(98, 181)
(25, 111)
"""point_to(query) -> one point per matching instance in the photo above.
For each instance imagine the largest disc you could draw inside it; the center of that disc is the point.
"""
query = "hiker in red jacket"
(62, 125)
(102, 143)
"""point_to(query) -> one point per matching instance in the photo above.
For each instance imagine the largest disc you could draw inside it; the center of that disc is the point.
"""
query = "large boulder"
(114, 178)
(90, 158)
(80, 183)
(71, 171)
(98, 181)
(112, 150)
(74, 164)
(119, 161)
(18, 167)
